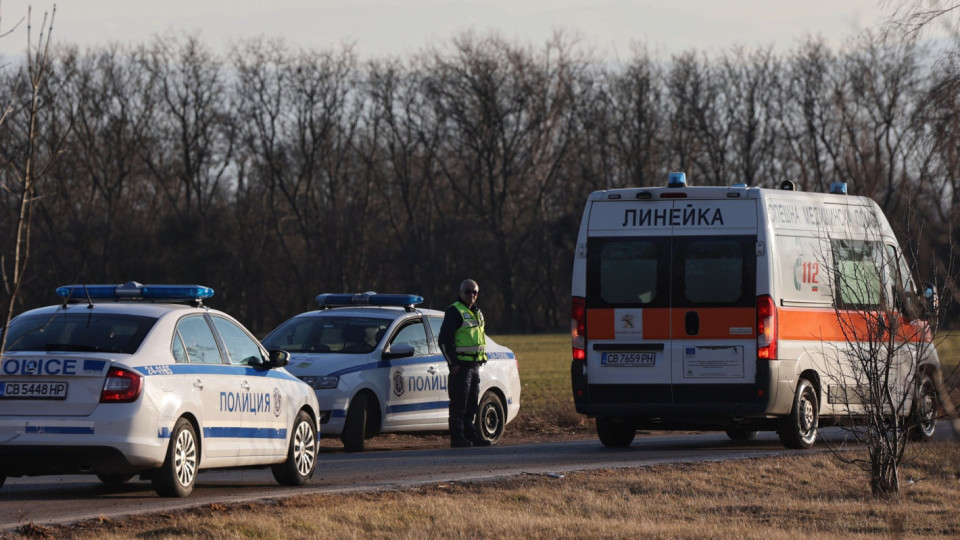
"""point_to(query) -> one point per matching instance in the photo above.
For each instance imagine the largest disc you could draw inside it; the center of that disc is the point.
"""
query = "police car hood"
(322, 364)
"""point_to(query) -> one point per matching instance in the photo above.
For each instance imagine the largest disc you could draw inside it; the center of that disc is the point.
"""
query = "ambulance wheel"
(355, 426)
(3, 478)
(799, 430)
(615, 433)
(114, 479)
(491, 419)
(926, 408)
(302, 456)
(179, 471)
(741, 434)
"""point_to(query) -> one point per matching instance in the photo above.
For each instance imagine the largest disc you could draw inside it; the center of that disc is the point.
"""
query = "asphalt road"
(67, 499)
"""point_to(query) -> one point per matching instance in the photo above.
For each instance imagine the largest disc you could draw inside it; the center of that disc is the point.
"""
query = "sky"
(379, 28)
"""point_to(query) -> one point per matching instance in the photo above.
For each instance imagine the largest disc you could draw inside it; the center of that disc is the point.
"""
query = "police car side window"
(198, 340)
(241, 348)
(179, 351)
(435, 324)
(413, 334)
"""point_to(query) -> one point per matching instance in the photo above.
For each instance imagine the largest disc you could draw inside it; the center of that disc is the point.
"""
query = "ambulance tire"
(3, 478)
(926, 409)
(301, 460)
(355, 427)
(179, 471)
(742, 434)
(114, 479)
(799, 430)
(615, 433)
(491, 419)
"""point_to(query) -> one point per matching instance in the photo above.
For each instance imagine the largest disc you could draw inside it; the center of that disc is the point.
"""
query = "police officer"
(462, 341)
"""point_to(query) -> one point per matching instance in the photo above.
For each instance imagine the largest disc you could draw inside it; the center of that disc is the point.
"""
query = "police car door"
(713, 300)
(205, 374)
(264, 415)
(418, 384)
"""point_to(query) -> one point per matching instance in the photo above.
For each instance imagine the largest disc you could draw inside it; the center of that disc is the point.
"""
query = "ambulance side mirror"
(931, 301)
(278, 359)
(399, 350)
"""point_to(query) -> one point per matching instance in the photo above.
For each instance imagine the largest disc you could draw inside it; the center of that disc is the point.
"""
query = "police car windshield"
(323, 334)
(79, 332)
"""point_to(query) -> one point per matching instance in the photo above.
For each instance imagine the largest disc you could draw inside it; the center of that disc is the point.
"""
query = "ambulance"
(740, 309)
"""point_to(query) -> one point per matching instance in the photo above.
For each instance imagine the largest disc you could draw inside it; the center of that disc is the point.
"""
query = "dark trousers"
(464, 389)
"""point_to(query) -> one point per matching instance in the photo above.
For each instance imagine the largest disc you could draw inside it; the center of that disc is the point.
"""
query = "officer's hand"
(454, 368)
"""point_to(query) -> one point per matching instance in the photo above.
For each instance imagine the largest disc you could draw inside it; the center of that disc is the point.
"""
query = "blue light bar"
(132, 290)
(677, 180)
(368, 299)
(838, 188)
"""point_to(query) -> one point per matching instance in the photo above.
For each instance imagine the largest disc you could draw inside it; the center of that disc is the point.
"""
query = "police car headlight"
(318, 383)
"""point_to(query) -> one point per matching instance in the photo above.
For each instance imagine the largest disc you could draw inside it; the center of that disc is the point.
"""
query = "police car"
(130, 379)
(376, 367)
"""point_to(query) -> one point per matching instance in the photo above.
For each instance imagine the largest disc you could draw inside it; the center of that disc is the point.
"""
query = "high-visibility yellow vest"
(470, 340)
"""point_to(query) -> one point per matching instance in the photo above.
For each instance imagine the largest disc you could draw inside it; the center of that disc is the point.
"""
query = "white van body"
(716, 308)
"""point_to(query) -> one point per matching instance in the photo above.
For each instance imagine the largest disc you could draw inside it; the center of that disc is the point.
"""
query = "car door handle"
(431, 369)
(198, 384)
(245, 385)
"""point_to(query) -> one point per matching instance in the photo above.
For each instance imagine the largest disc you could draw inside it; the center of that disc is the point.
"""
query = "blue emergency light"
(368, 299)
(132, 290)
(677, 180)
(838, 188)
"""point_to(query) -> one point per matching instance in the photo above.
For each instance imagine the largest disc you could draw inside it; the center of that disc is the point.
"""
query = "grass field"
(801, 495)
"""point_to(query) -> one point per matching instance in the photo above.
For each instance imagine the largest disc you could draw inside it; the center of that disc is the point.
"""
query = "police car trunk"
(669, 307)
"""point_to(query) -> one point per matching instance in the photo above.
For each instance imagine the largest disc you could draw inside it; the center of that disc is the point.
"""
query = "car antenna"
(89, 300)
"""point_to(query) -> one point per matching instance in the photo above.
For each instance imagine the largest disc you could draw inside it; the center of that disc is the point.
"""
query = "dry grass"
(806, 495)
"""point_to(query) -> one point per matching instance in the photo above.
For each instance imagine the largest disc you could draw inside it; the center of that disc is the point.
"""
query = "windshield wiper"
(76, 347)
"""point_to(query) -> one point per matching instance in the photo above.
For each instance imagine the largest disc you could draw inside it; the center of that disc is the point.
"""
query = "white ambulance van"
(714, 308)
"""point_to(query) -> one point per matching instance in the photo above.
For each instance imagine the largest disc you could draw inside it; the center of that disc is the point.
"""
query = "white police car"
(376, 367)
(133, 379)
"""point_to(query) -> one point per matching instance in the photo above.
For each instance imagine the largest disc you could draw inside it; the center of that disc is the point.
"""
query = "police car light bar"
(132, 290)
(368, 299)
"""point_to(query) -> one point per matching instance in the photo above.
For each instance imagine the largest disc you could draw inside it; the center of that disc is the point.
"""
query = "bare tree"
(26, 165)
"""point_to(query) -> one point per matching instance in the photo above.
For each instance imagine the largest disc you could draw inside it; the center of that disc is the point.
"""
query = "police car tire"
(926, 409)
(355, 426)
(799, 429)
(301, 460)
(615, 433)
(114, 479)
(491, 419)
(179, 471)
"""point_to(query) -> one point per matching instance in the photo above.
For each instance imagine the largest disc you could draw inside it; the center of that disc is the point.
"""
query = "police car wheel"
(355, 427)
(799, 430)
(179, 471)
(114, 479)
(302, 455)
(741, 434)
(926, 408)
(491, 418)
(615, 433)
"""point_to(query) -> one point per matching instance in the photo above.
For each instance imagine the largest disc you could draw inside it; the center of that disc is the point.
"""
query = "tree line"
(274, 173)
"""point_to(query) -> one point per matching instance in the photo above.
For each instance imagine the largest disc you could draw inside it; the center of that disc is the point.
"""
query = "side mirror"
(400, 350)
(931, 301)
(279, 359)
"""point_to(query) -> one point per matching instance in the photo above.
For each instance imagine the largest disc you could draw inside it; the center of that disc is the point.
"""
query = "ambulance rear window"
(629, 271)
(713, 271)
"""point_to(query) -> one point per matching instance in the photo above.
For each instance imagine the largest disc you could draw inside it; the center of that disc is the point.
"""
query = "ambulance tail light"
(766, 328)
(578, 327)
(121, 386)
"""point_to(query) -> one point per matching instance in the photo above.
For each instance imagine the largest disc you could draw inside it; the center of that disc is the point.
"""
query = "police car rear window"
(79, 332)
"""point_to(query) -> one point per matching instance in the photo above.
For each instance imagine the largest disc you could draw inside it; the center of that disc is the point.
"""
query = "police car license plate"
(628, 359)
(33, 390)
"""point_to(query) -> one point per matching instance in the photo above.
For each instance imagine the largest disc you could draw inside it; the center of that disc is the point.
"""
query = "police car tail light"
(121, 386)
(578, 327)
(766, 328)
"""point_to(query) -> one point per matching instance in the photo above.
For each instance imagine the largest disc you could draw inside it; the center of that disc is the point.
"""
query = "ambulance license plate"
(628, 359)
(33, 390)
